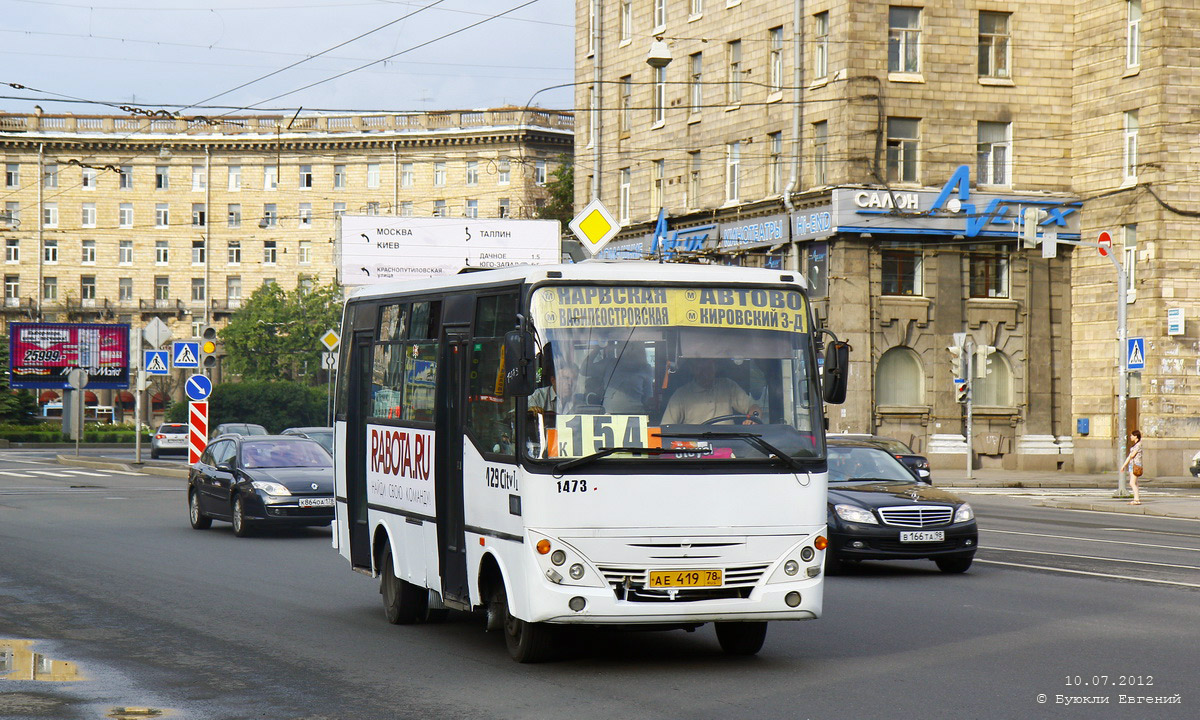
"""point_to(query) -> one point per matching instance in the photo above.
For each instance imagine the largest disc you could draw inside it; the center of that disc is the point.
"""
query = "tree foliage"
(15, 405)
(561, 186)
(276, 334)
(274, 405)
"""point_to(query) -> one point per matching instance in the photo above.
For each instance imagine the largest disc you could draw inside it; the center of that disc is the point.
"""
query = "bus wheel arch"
(381, 543)
(490, 583)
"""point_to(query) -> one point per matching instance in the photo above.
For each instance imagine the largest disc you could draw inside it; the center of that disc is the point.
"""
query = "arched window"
(899, 379)
(996, 389)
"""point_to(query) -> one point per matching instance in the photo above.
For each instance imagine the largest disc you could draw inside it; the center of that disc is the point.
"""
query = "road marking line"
(27, 462)
(1093, 557)
(1068, 537)
(48, 473)
(84, 472)
(14, 474)
(1092, 574)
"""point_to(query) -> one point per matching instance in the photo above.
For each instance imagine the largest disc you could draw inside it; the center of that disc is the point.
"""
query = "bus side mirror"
(520, 370)
(837, 371)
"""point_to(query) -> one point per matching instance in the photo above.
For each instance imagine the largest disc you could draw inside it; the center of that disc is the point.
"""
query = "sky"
(195, 56)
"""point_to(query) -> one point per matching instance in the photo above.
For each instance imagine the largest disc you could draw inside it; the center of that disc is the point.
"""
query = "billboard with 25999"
(40, 355)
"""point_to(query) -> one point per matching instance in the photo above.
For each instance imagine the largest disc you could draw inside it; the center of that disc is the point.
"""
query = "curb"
(1124, 508)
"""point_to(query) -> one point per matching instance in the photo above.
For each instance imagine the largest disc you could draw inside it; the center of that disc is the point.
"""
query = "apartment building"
(889, 151)
(126, 218)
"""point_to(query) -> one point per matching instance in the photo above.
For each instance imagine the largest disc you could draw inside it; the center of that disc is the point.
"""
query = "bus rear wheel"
(527, 642)
(401, 599)
(741, 638)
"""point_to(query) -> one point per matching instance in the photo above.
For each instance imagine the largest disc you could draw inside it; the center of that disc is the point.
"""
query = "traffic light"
(958, 359)
(1029, 223)
(960, 389)
(983, 360)
(208, 347)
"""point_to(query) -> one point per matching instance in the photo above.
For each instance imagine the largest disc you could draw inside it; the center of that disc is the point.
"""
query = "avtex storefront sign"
(956, 209)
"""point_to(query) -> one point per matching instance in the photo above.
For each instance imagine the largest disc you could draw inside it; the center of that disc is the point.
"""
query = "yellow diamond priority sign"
(594, 226)
(330, 340)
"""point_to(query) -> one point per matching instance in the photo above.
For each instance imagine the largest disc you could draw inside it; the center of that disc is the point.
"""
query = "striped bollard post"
(197, 430)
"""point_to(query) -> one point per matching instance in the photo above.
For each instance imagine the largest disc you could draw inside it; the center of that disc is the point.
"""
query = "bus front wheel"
(401, 600)
(527, 642)
(741, 638)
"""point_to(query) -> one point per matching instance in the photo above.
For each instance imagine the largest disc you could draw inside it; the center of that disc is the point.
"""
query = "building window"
(50, 288)
(1129, 250)
(233, 289)
(125, 177)
(12, 289)
(235, 178)
(539, 172)
(505, 209)
(995, 388)
(198, 290)
(1131, 146)
(198, 252)
(1133, 33)
(339, 208)
(472, 209)
(993, 44)
(270, 252)
(696, 9)
(406, 208)
(625, 105)
(305, 256)
(821, 152)
(995, 153)
(733, 162)
(775, 163)
(901, 271)
(87, 216)
(623, 198)
(439, 174)
(162, 177)
(695, 82)
(904, 39)
(87, 180)
(12, 175)
(270, 216)
(162, 252)
(199, 177)
(124, 289)
(372, 208)
(12, 214)
(373, 175)
(199, 215)
(50, 251)
(406, 175)
(472, 176)
(270, 177)
(162, 215)
(234, 215)
(660, 95)
(660, 14)
(693, 186)
(440, 209)
(50, 215)
(821, 44)
(162, 289)
(626, 20)
(988, 273)
(899, 378)
(503, 172)
(902, 149)
(88, 252)
(50, 175)
(125, 215)
(305, 215)
(733, 80)
(125, 252)
(339, 177)
(775, 59)
(235, 252)
(306, 177)
(12, 250)
(657, 178)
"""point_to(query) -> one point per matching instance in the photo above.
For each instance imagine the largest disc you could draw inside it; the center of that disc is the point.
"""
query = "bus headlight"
(791, 567)
(558, 557)
(576, 571)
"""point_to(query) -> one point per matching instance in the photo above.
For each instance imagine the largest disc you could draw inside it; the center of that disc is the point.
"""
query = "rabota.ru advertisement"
(400, 469)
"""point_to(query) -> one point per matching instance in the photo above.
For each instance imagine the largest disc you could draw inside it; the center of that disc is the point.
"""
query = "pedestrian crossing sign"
(155, 362)
(1137, 354)
(185, 354)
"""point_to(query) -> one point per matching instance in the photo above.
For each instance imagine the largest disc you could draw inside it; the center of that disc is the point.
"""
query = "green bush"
(275, 405)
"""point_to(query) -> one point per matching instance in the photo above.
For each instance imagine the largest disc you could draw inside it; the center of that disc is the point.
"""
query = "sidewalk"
(1177, 497)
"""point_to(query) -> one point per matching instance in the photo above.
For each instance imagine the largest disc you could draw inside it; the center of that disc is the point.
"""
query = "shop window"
(995, 389)
(901, 271)
(988, 274)
(899, 378)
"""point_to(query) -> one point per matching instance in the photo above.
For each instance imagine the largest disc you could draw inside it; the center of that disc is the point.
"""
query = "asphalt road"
(103, 571)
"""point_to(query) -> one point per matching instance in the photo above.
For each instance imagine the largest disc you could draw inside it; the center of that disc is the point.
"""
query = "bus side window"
(490, 415)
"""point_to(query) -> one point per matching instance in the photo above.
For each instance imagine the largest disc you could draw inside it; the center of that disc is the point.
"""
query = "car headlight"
(964, 513)
(270, 488)
(855, 514)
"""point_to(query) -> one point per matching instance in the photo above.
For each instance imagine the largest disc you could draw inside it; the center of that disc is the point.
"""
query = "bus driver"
(707, 397)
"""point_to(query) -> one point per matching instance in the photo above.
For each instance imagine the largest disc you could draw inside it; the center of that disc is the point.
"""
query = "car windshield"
(691, 370)
(325, 437)
(864, 463)
(284, 454)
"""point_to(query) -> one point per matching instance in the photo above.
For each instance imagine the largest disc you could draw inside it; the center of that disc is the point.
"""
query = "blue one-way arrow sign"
(1136, 352)
(198, 387)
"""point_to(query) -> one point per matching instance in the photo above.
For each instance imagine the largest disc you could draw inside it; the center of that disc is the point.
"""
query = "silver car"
(169, 438)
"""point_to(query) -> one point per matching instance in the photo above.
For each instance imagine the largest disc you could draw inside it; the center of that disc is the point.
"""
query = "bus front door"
(356, 453)
(452, 553)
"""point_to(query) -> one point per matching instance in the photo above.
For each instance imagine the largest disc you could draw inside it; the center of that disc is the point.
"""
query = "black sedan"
(260, 480)
(915, 462)
(878, 511)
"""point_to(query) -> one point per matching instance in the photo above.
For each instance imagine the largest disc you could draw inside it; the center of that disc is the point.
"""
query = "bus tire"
(527, 642)
(199, 520)
(741, 638)
(401, 599)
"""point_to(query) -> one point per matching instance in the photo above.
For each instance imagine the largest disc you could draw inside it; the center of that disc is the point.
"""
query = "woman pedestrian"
(1134, 462)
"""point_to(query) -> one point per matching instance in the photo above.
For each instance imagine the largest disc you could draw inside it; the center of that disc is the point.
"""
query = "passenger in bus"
(708, 396)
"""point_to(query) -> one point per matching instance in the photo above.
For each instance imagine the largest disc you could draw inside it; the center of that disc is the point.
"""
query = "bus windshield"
(673, 374)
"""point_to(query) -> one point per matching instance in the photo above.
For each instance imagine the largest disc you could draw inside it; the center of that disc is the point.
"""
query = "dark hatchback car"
(916, 463)
(261, 480)
(323, 435)
(238, 429)
(879, 511)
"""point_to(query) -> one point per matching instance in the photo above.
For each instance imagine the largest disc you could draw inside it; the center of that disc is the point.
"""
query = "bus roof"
(589, 271)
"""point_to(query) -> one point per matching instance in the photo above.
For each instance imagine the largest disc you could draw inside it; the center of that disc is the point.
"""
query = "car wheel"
(153, 454)
(954, 565)
(527, 642)
(741, 638)
(199, 520)
(241, 526)
(401, 599)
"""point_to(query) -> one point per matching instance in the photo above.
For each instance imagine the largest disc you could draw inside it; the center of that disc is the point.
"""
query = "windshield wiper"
(753, 438)
(605, 452)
